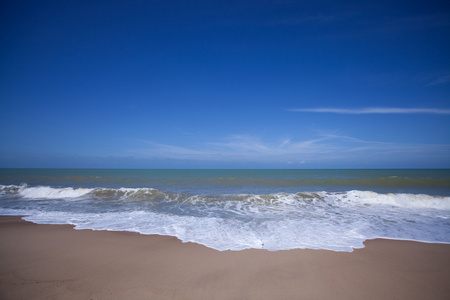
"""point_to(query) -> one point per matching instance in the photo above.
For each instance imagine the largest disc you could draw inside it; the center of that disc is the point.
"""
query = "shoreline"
(56, 261)
(190, 242)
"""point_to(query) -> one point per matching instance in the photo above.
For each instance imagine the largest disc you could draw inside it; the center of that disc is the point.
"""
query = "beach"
(239, 209)
(58, 262)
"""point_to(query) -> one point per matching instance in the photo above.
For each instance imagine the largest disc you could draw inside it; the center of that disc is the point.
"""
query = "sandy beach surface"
(58, 262)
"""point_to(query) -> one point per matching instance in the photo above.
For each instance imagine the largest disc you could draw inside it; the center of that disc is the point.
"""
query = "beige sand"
(58, 262)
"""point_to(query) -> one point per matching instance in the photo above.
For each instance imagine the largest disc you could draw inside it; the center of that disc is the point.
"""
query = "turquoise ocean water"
(239, 209)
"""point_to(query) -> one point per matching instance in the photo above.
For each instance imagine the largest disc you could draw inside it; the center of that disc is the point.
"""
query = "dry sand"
(58, 262)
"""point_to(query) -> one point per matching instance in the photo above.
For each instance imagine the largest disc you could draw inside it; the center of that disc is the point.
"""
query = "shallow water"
(239, 209)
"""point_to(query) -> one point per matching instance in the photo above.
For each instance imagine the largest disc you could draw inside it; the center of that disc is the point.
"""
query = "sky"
(225, 84)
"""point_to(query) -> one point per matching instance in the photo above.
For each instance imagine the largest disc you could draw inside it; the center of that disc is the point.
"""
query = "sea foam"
(44, 192)
(339, 221)
(277, 199)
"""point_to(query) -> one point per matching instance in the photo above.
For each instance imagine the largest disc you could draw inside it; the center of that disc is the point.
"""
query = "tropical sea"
(239, 209)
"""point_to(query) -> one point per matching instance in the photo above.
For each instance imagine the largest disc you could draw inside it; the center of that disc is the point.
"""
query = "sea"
(239, 209)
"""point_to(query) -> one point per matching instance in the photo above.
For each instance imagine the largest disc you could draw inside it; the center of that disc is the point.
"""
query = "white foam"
(249, 202)
(45, 192)
(400, 200)
(323, 220)
(215, 233)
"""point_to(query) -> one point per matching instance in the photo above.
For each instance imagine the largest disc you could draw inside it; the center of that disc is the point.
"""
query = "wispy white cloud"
(234, 147)
(325, 148)
(374, 110)
(440, 80)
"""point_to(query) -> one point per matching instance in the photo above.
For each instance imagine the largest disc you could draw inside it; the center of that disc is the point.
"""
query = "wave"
(353, 197)
(46, 192)
(339, 221)
(398, 199)
(43, 192)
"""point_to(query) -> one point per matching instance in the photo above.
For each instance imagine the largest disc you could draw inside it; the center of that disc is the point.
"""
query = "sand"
(58, 262)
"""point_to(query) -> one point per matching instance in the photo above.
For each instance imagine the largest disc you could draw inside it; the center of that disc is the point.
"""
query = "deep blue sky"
(225, 84)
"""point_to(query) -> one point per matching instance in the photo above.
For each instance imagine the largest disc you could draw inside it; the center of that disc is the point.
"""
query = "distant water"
(238, 209)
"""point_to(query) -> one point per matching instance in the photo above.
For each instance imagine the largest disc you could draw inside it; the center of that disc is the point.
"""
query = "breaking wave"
(339, 221)
(276, 199)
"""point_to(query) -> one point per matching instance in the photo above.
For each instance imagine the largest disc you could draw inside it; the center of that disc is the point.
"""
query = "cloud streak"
(374, 110)
(441, 80)
(326, 150)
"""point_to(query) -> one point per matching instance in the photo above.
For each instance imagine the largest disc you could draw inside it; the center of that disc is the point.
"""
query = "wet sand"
(58, 262)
